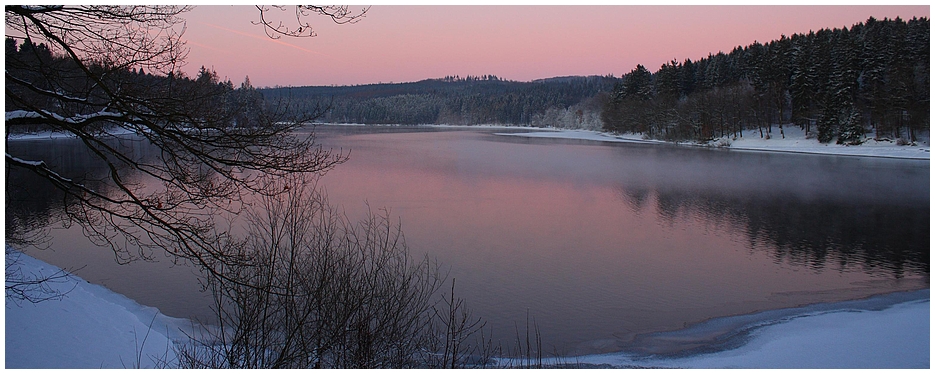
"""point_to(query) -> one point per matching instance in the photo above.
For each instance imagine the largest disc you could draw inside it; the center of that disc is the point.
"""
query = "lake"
(595, 243)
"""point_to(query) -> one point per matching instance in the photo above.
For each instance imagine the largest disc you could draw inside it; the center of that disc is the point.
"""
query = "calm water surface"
(597, 243)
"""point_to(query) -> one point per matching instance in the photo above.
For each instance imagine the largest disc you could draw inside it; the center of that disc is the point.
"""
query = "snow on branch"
(41, 168)
(20, 117)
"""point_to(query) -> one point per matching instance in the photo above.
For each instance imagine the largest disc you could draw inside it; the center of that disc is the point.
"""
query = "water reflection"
(37, 214)
(35, 204)
(883, 238)
(600, 243)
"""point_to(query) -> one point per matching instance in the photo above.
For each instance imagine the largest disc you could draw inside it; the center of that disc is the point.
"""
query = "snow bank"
(897, 337)
(93, 327)
(847, 335)
(794, 142)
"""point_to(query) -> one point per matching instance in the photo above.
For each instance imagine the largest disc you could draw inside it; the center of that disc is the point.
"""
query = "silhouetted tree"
(75, 73)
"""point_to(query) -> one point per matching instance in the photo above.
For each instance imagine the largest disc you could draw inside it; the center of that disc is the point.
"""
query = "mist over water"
(596, 244)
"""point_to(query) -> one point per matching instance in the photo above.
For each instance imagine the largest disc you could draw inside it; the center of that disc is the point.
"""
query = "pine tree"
(827, 123)
(667, 82)
(687, 78)
(637, 84)
(918, 56)
(803, 80)
(852, 128)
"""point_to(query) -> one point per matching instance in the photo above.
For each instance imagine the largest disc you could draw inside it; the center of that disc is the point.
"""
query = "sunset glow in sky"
(411, 43)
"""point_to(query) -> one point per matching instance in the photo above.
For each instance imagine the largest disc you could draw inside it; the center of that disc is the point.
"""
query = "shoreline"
(775, 299)
(863, 333)
(718, 334)
(811, 146)
(795, 143)
(711, 334)
(36, 329)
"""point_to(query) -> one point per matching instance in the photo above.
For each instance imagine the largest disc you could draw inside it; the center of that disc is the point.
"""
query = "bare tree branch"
(339, 14)
(76, 73)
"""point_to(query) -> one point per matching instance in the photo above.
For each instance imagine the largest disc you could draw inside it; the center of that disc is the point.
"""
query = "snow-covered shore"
(794, 142)
(93, 327)
(886, 331)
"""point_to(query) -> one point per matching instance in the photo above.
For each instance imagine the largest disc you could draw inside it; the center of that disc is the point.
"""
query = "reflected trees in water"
(875, 238)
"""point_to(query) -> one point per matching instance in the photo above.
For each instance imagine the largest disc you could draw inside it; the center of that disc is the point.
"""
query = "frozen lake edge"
(34, 333)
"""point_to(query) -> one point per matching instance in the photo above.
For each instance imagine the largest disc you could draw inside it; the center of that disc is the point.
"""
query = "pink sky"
(411, 43)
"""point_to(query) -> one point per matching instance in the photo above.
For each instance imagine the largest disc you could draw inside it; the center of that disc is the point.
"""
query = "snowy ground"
(93, 327)
(794, 141)
(888, 331)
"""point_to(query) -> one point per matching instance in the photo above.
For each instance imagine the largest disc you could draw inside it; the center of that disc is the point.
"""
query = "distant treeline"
(37, 78)
(567, 102)
(836, 84)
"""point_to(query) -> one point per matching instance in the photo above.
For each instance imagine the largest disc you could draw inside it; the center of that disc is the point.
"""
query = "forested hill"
(571, 102)
(843, 85)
